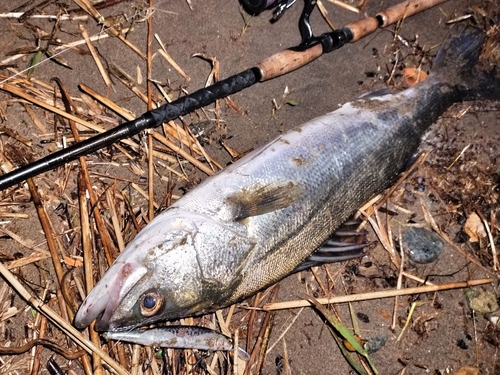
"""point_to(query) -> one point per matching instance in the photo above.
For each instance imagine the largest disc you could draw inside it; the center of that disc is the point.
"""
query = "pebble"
(375, 343)
(423, 245)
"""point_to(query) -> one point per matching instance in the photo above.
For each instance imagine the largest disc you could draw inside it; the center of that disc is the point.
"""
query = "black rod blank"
(151, 119)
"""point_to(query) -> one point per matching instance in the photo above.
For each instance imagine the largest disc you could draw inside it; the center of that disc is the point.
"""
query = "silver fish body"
(256, 221)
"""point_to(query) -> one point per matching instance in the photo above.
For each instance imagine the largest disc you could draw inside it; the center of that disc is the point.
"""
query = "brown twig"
(448, 240)
(87, 260)
(69, 330)
(44, 221)
(19, 92)
(149, 60)
(38, 352)
(377, 295)
(107, 243)
(110, 29)
(258, 351)
(95, 56)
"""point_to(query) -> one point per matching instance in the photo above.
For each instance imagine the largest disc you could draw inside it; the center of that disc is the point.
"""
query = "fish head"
(170, 270)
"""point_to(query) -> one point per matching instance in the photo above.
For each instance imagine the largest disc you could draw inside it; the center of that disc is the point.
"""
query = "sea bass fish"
(254, 222)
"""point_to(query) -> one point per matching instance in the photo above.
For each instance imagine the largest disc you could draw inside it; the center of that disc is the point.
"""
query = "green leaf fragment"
(33, 63)
(338, 328)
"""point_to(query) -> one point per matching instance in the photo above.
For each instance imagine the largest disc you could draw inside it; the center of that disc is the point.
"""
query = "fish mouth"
(103, 301)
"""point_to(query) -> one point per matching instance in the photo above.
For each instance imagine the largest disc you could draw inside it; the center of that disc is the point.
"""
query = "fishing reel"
(255, 7)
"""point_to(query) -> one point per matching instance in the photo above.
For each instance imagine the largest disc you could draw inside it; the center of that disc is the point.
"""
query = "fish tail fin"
(459, 63)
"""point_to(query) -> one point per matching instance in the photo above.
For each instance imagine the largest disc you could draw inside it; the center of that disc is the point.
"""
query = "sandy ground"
(444, 334)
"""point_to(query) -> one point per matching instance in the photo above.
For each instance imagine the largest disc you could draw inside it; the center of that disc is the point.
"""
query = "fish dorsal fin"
(264, 199)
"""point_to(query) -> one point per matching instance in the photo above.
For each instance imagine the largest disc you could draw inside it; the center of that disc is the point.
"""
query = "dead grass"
(115, 199)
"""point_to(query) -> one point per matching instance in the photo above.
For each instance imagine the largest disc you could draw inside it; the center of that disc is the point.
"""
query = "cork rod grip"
(405, 9)
(389, 16)
(287, 61)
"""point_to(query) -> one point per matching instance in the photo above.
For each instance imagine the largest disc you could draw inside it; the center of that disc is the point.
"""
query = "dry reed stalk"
(258, 351)
(318, 280)
(128, 81)
(38, 349)
(448, 240)
(33, 84)
(417, 279)
(21, 79)
(170, 60)
(114, 219)
(66, 311)
(235, 155)
(382, 236)
(131, 212)
(202, 167)
(125, 113)
(400, 280)
(267, 324)
(491, 241)
(213, 76)
(14, 215)
(285, 331)
(13, 134)
(94, 38)
(51, 17)
(177, 174)
(18, 92)
(95, 56)
(163, 52)
(172, 128)
(44, 221)
(229, 315)
(107, 243)
(345, 6)
(27, 260)
(87, 260)
(324, 13)
(149, 69)
(55, 319)
(84, 179)
(493, 215)
(144, 194)
(286, 362)
(378, 295)
(251, 319)
(29, 244)
(196, 144)
(87, 6)
(236, 370)
(154, 369)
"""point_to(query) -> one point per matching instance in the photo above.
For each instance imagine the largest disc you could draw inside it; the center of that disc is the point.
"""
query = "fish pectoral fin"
(264, 199)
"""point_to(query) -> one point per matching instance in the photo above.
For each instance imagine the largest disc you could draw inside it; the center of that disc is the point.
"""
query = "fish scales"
(257, 220)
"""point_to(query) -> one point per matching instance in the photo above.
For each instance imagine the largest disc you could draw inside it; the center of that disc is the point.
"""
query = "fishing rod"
(279, 64)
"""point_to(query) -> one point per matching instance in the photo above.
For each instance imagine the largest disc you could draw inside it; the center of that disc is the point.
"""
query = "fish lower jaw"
(101, 326)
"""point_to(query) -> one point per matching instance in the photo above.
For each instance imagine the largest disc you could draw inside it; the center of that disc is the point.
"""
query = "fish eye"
(150, 304)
